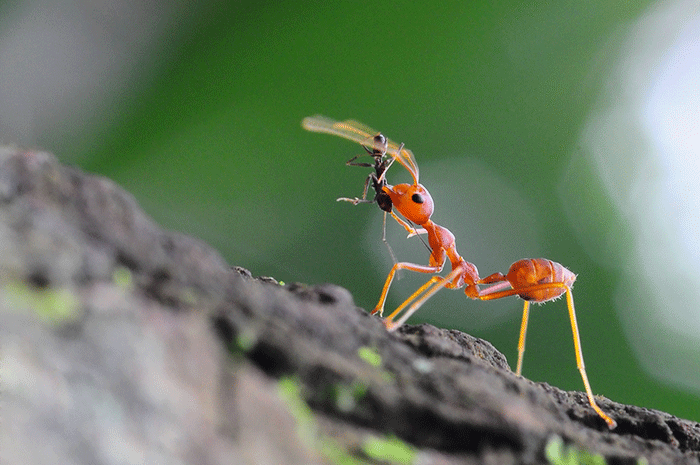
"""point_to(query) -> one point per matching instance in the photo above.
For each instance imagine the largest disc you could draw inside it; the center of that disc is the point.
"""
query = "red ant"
(532, 279)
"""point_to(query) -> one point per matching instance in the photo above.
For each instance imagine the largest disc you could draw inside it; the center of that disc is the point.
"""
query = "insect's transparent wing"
(351, 130)
(362, 134)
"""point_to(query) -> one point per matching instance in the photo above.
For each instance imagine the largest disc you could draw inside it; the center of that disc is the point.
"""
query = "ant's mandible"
(532, 279)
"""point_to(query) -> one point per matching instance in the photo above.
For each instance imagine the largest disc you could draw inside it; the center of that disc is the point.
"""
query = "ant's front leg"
(410, 229)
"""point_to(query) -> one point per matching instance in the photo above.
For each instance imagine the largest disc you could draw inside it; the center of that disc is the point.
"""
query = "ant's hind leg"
(579, 360)
(521, 340)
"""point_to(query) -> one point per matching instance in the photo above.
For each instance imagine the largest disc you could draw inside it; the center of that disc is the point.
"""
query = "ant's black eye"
(417, 198)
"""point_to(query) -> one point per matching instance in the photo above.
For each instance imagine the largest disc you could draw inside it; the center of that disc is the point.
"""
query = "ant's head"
(413, 201)
(379, 145)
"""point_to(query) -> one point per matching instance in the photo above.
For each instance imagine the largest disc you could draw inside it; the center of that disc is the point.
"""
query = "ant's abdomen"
(537, 273)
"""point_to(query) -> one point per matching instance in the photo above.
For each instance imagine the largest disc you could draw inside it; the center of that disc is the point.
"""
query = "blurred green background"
(196, 111)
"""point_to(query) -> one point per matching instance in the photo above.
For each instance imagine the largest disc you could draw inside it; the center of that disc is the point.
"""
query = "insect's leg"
(493, 278)
(418, 298)
(370, 177)
(366, 165)
(498, 280)
(401, 266)
(388, 246)
(389, 321)
(356, 200)
(521, 340)
(412, 231)
(574, 329)
(494, 292)
(579, 360)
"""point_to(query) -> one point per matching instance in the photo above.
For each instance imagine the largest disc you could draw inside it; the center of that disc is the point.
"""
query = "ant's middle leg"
(419, 297)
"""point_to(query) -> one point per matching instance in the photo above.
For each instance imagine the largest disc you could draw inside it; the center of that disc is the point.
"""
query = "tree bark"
(125, 343)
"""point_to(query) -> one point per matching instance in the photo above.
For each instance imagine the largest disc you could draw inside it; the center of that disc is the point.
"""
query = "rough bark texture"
(125, 343)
